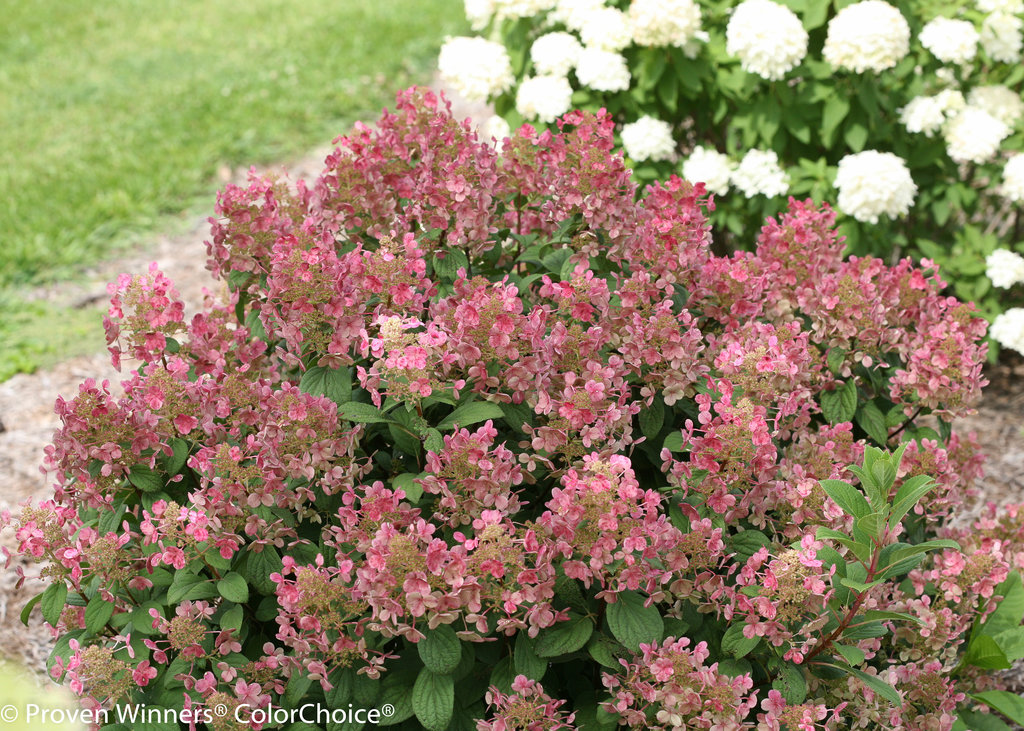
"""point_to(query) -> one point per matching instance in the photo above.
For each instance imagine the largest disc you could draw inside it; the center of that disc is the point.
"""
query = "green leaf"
(837, 106)
(472, 413)
(97, 614)
(564, 637)
(908, 495)
(674, 442)
(52, 602)
(860, 550)
(440, 650)
(835, 359)
(606, 651)
(231, 619)
(872, 525)
(878, 614)
(433, 442)
(871, 420)
(652, 419)
(874, 682)
(1009, 613)
(865, 631)
(860, 586)
(525, 658)
(447, 267)
(791, 683)
(234, 588)
(847, 497)
(984, 652)
(146, 479)
(852, 655)
(975, 721)
(433, 699)
(334, 383)
(839, 406)
(26, 611)
(746, 543)
(406, 482)
(632, 623)
(259, 567)
(1010, 705)
(894, 568)
(734, 643)
(172, 465)
(361, 413)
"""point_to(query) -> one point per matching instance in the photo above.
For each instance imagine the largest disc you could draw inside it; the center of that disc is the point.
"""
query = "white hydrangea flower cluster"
(495, 127)
(544, 98)
(606, 29)
(479, 13)
(573, 13)
(1008, 329)
(602, 70)
(928, 114)
(974, 135)
(768, 38)
(648, 139)
(475, 67)
(1013, 179)
(949, 40)
(521, 8)
(664, 22)
(872, 184)
(867, 36)
(759, 173)
(1001, 6)
(1001, 102)
(1001, 37)
(555, 54)
(708, 166)
(1005, 268)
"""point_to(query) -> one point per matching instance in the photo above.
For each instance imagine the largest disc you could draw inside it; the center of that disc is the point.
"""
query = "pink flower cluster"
(370, 445)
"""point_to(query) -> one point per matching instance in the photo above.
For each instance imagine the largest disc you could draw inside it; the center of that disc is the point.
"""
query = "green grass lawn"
(117, 114)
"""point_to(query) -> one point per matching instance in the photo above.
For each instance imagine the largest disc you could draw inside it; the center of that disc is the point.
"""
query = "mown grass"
(120, 113)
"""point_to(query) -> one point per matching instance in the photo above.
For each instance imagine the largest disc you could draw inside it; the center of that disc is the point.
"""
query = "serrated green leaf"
(440, 650)
(746, 543)
(406, 482)
(564, 637)
(26, 611)
(172, 465)
(865, 631)
(847, 497)
(876, 684)
(259, 567)
(976, 721)
(632, 623)
(97, 614)
(871, 420)
(673, 442)
(1009, 704)
(447, 267)
(860, 550)
(872, 525)
(433, 442)
(361, 413)
(433, 699)
(860, 586)
(896, 566)
(53, 601)
(734, 642)
(837, 106)
(835, 358)
(146, 479)
(839, 406)
(652, 419)
(791, 684)
(984, 652)
(334, 383)
(908, 495)
(881, 615)
(525, 659)
(471, 413)
(232, 619)
(503, 674)
(852, 655)
(234, 588)
(605, 650)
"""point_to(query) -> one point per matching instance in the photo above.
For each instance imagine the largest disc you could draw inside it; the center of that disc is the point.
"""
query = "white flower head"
(1008, 329)
(867, 36)
(759, 173)
(768, 38)
(479, 13)
(606, 28)
(602, 70)
(974, 135)
(1001, 102)
(475, 67)
(648, 139)
(929, 113)
(873, 184)
(1013, 179)
(1001, 37)
(950, 41)
(1001, 6)
(521, 8)
(497, 128)
(708, 166)
(1005, 268)
(555, 54)
(664, 22)
(544, 98)
(572, 13)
